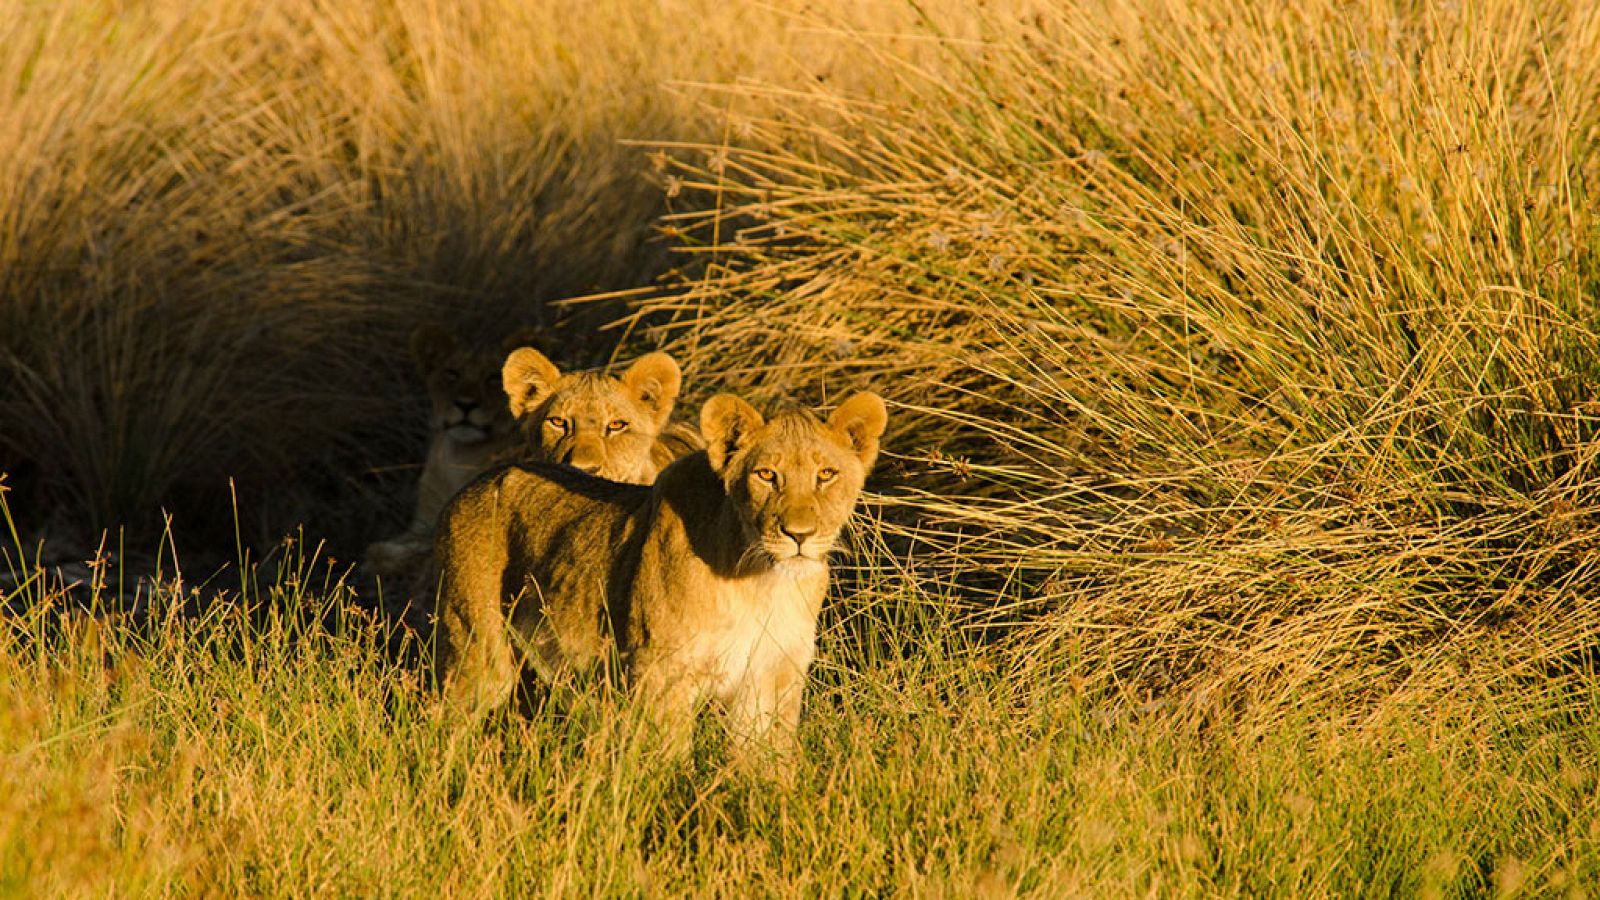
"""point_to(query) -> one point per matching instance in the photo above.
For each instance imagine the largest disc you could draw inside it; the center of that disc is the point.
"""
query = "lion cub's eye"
(615, 426)
(556, 423)
(766, 476)
(826, 475)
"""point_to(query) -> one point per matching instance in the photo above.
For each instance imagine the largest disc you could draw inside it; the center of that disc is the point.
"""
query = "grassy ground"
(285, 752)
(1237, 530)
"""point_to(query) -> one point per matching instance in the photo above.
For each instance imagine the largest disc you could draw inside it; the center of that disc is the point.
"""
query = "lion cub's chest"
(740, 639)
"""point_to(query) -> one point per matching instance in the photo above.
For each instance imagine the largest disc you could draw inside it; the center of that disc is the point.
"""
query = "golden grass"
(1253, 349)
(268, 746)
(1237, 531)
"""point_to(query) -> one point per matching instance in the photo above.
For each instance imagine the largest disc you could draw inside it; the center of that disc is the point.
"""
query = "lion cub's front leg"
(764, 717)
(669, 696)
(476, 668)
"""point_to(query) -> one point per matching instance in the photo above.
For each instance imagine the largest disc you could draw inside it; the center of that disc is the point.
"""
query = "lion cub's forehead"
(591, 392)
(797, 437)
(467, 367)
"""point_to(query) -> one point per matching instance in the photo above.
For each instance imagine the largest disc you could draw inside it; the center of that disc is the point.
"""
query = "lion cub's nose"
(799, 532)
(583, 460)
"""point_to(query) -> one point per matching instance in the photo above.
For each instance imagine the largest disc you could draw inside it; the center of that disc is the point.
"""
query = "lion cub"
(707, 583)
(470, 428)
(616, 428)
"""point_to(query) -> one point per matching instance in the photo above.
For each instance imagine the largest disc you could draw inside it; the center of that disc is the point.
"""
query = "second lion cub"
(708, 583)
(616, 428)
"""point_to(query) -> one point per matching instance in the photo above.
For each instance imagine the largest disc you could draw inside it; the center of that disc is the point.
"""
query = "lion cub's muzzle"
(794, 532)
(585, 456)
(468, 421)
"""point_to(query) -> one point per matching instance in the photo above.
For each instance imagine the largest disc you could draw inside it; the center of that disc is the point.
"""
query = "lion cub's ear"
(861, 420)
(528, 379)
(430, 344)
(654, 379)
(727, 423)
(526, 336)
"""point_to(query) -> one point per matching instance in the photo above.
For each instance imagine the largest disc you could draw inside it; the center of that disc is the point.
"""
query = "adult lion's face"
(467, 404)
(793, 480)
(595, 423)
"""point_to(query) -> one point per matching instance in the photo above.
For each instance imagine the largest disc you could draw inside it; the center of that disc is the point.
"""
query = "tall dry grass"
(1245, 349)
(1237, 529)
(1248, 350)
(219, 221)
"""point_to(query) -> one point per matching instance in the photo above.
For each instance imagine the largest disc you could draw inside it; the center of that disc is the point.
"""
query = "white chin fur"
(803, 562)
(466, 434)
(787, 554)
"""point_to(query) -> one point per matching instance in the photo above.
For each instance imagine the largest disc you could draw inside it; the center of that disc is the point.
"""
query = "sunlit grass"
(271, 745)
(1251, 351)
(1237, 527)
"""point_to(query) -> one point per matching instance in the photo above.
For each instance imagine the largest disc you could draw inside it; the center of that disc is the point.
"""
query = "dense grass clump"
(218, 223)
(1243, 349)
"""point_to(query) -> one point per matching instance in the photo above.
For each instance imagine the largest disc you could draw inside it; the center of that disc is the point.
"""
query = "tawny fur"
(489, 409)
(613, 427)
(707, 584)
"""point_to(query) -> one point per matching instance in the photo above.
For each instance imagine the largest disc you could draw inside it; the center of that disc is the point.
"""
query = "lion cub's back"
(540, 507)
(674, 442)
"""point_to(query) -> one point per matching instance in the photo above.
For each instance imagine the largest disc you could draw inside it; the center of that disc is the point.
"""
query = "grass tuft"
(1248, 353)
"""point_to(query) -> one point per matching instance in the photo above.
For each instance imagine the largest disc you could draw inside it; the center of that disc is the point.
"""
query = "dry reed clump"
(219, 221)
(1247, 344)
(1250, 351)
